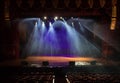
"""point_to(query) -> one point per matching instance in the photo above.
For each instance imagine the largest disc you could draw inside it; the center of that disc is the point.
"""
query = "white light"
(35, 23)
(43, 24)
(45, 17)
(72, 23)
(50, 24)
(55, 18)
(71, 17)
(61, 17)
(78, 63)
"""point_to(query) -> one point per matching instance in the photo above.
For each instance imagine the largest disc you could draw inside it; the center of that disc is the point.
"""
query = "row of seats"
(34, 78)
(47, 75)
(29, 77)
(92, 77)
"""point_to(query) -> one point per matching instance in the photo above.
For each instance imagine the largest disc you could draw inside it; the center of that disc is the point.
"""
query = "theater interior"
(59, 41)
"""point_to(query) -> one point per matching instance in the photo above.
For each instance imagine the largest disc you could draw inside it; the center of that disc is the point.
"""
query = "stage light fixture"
(61, 17)
(72, 23)
(55, 18)
(71, 17)
(45, 17)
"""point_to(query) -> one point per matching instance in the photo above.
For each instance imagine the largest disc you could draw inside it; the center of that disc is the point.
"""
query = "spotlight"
(43, 24)
(72, 23)
(71, 17)
(50, 24)
(61, 17)
(36, 26)
(36, 23)
(45, 17)
(55, 18)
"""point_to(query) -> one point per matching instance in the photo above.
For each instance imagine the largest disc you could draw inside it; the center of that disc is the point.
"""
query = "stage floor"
(57, 58)
(56, 61)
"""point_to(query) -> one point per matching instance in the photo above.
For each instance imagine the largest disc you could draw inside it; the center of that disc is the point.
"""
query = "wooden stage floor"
(57, 58)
